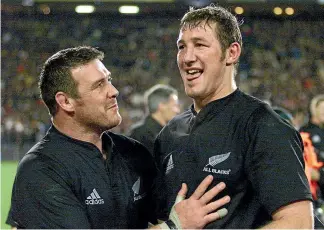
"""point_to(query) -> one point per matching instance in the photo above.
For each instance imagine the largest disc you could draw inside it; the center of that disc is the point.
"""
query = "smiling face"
(202, 64)
(96, 108)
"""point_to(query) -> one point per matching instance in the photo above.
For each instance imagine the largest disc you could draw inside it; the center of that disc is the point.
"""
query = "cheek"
(322, 116)
(179, 58)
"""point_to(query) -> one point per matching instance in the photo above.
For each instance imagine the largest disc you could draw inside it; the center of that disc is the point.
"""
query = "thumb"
(182, 193)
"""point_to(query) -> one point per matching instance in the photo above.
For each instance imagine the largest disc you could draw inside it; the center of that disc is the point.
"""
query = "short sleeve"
(42, 197)
(274, 162)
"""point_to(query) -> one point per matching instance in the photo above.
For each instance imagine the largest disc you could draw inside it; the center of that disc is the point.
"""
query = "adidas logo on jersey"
(212, 161)
(170, 165)
(94, 198)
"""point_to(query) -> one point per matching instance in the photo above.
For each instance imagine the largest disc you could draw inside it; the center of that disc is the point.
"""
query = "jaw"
(192, 90)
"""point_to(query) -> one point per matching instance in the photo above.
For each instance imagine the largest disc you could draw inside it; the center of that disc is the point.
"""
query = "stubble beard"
(115, 122)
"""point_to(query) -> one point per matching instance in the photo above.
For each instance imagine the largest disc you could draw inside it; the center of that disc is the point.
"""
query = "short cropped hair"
(227, 25)
(56, 73)
(156, 95)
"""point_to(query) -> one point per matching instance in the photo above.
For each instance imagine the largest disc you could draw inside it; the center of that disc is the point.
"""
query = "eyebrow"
(94, 84)
(195, 39)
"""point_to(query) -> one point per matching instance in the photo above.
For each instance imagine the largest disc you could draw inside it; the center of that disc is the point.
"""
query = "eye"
(100, 84)
(180, 47)
(200, 45)
(104, 82)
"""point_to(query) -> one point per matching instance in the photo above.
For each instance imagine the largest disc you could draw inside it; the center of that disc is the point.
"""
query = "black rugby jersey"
(146, 131)
(65, 183)
(241, 141)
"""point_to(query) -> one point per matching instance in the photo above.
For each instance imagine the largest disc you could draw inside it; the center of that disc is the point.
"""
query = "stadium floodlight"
(239, 10)
(128, 9)
(277, 11)
(289, 11)
(84, 9)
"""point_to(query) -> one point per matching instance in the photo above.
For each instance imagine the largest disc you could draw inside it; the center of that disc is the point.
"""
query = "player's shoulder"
(181, 118)
(35, 159)
(132, 151)
(250, 102)
(252, 106)
(125, 144)
(259, 113)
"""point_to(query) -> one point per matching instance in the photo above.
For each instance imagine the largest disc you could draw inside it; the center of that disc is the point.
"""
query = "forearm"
(297, 215)
(290, 223)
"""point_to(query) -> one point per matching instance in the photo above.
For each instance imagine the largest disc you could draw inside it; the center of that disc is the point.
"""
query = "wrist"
(169, 224)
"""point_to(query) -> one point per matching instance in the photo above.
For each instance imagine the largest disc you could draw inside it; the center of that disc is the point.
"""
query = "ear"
(233, 53)
(64, 101)
(161, 107)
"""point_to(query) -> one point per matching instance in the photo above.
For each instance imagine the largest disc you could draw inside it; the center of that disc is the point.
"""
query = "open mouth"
(193, 74)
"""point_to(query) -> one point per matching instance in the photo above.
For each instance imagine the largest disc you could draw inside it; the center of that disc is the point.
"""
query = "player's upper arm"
(42, 198)
(297, 215)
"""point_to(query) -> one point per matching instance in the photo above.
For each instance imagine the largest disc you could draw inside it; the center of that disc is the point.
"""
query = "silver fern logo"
(136, 186)
(214, 160)
(137, 189)
(218, 159)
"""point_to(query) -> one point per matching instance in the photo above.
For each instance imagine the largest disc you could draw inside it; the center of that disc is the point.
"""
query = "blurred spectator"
(162, 104)
(299, 118)
(315, 126)
(314, 131)
(313, 168)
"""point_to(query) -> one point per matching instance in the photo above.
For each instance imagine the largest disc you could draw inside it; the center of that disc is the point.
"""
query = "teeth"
(193, 71)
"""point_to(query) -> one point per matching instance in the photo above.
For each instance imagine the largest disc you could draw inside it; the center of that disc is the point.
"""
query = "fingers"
(222, 212)
(208, 196)
(200, 190)
(216, 215)
(211, 207)
(182, 193)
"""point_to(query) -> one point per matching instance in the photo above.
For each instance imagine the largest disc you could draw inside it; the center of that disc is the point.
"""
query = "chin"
(120, 120)
(116, 122)
(192, 93)
(112, 123)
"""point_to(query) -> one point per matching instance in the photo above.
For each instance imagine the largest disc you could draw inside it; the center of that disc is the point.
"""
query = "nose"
(189, 56)
(112, 91)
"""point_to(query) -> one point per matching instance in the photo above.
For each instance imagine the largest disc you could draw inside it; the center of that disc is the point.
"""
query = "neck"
(159, 118)
(221, 92)
(74, 130)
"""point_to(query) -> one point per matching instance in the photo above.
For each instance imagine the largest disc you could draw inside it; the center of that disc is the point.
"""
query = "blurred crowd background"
(282, 63)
